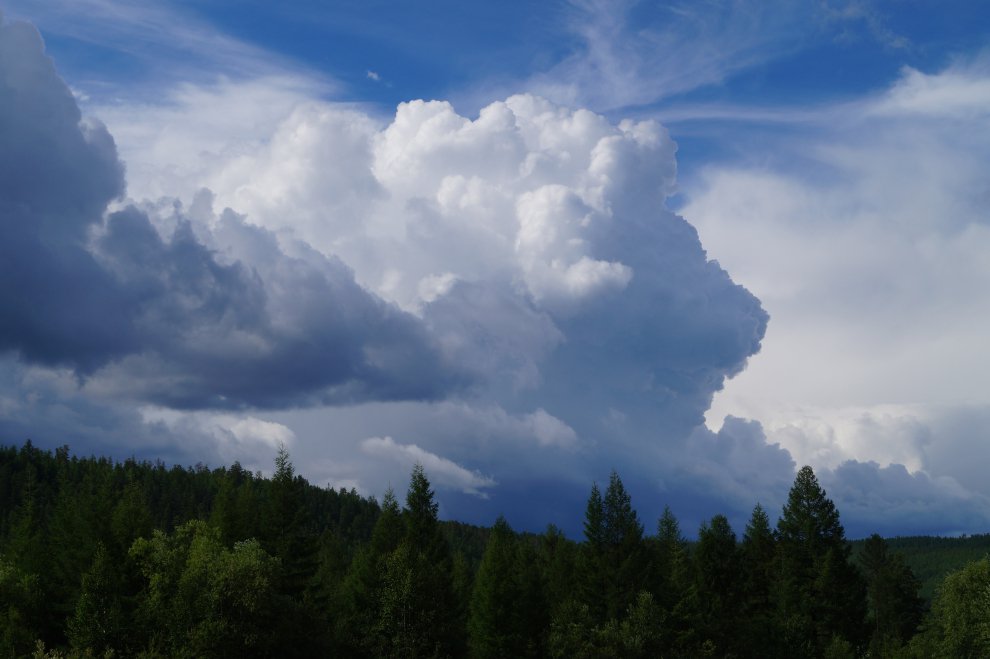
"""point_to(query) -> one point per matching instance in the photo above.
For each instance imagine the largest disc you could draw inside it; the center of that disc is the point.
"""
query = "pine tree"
(678, 596)
(821, 593)
(591, 569)
(419, 611)
(895, 608)
(495, 625)
(361, 591)
(719, 584)
(558, 560)
(291, 539)
(624, 552)
(758, 553)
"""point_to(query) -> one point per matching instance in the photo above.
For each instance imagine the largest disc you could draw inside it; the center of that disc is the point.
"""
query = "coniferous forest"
(102, 558)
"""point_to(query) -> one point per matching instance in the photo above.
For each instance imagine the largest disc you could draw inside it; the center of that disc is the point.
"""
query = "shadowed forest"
(102, 558)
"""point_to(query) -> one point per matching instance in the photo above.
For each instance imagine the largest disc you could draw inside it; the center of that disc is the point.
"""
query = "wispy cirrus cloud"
(165, 41)
(633, 53)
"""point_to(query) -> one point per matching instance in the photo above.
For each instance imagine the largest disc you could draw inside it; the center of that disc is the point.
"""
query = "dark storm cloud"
(163, 319)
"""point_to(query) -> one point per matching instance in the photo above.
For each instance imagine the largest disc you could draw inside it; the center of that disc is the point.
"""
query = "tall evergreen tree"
(292, 540)
(419, 611)
(593, 582)
(614, 555)
(678, 595)
(895, 607)
(624, 551)
(719, 585)
(758, 553)
(822, 595)
(361, 592)
(495, 628)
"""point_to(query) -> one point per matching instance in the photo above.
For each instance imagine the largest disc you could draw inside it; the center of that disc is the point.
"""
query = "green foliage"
(758, 558)
(821, 594)
(639, 633)
(496, 625)
(719, 584)
(99, 622)
(960, 624)
(613, 558)
(99, 558)
(203, 599)
(932, 558)
(419, 615)
(895, 608)
(19, 608)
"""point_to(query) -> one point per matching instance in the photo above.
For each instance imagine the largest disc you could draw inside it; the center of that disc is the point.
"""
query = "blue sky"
(700, 243)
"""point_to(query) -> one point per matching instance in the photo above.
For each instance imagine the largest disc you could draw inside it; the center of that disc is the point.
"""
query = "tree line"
(102, 558)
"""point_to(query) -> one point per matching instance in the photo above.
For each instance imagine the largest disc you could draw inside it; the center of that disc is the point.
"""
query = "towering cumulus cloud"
(507, 296)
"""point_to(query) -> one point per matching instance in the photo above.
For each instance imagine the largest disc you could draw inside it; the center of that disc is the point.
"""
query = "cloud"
(515, 279)
(441, 470)
(635, 53)
(893, 501)
(867, 242)
(520, 265)
(247, 439)
(174, 43)
(153, 313)
(959, 92)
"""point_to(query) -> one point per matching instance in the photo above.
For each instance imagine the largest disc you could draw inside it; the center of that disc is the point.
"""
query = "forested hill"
(102, 558)
(932, 558)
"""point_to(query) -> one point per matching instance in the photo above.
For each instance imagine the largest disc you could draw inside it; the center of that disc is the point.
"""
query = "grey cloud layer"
(164, 319)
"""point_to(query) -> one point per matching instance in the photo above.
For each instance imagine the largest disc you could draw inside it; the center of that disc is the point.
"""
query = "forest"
(100, 558)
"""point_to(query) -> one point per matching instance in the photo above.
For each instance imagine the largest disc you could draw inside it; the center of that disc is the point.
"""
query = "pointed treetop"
(594, 517)
(809, 515)
(283, 467)
(620, 523)
(668, 530)
(419, 498)
(758, 526)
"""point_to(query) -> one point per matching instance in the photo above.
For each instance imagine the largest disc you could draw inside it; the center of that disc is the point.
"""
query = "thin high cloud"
(631, 54)
(167, 40)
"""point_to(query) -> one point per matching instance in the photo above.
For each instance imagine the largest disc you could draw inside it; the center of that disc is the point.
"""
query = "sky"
(522, 244)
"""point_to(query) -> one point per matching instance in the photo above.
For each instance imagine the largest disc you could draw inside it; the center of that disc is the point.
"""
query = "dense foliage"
(103, 558)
